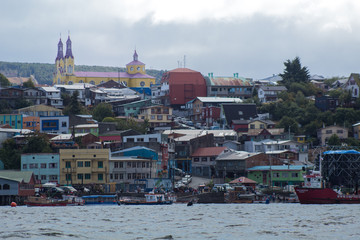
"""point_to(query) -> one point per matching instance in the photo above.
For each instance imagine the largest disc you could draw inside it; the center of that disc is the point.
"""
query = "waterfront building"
(15, 121)
(45, 166)
(277, 175)
(325, 133)
(203, 160)
(15, 186)
(270, 93)
(158, 116)
(54, 124)
(84, 166)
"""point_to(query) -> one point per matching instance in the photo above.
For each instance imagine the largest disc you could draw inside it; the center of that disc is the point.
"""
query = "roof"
(341, 152)
(133, 149)
(127, 158)
(208, 151)
(115, 75)
(187, 70)
(276, 168)
(271, 131)
(67, 136)
(273, 88)
(242, 180)
(236, 111)
(227, 81)
(87, 126)
(110, 138)
(18, 176)
(188, 134)
(50, 89)
(219, 100)
(236, 155)
(40, 107)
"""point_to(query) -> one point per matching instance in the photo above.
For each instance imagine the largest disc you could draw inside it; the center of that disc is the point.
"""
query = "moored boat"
(314, 192)
(150, 199)
(100, 199)
(41, 201)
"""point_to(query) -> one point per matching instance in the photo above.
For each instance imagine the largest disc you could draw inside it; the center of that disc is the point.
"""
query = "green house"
(277, 175)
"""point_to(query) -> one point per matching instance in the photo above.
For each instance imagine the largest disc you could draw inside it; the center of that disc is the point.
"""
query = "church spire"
(60, 51)
(135, 56)
(68, 49)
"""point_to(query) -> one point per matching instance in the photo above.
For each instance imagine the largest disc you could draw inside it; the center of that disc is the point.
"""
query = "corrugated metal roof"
(229, 81)
(220, 100)
(208, 151)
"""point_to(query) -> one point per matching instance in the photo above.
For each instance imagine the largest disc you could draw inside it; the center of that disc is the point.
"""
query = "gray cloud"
(254, 46)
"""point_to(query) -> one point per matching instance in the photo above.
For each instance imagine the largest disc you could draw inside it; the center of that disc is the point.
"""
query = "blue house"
(45, 166)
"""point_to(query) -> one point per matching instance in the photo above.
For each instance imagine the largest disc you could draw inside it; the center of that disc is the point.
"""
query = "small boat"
(41, 201)
(100, 199)
(314, 192)
(150, 199)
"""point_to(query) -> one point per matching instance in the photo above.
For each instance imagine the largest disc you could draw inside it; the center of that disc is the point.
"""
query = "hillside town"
(186, 133)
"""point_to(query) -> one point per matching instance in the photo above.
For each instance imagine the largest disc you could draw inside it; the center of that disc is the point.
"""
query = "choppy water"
(177, 221)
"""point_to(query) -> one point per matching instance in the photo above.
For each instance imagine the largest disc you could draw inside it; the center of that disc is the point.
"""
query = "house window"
(87, 176)
(285, 175)
(121, 176)
(204, 159)
(159, 117)
(80, 176)
(140, 140)
(143, 164)
(100, 177)
(152, 117)
(6, 187)
(43, 177)
(52, 165)
(134, 164)
(33, 165)
(196, 159)
(116, 165)
(53, 177)
(121, 165)
(68, 177)
(252, 126)
(24, 166)
(43, 165)
(276, 175)
(212, 158)
(240, 113)
(339, 131)
(294, 175)
(68, 164)
(128, 164)
(100, 164)
(328, 131)
(169, 117)
(63, 124)
(129, 176)
(262, 126)
(87, 163)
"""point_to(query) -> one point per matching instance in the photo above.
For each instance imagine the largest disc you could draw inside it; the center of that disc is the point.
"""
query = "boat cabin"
(314, 180)
(154, 197)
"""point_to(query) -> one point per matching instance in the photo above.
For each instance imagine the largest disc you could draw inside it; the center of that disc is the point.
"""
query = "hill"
(43, 72)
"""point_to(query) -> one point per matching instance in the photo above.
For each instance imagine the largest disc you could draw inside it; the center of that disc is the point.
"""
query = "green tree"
(102, 111)
(37, 143)
(294, 72)
(334, 140)
(74, 106)
(4, 82)
(29, 84)
(5, 108)
(289, 123)
(10, 155)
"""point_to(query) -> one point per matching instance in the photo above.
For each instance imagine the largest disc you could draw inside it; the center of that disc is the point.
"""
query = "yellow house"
(84, 166)
(135, 76)
(260, 124)
(158, 116)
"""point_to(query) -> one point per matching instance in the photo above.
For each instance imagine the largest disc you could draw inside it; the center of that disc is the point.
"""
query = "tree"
(294, 72)
(289, 124)
(334, 140)
(10, 155)
(37, 143)
(74, 106)
(102, 111)
(4, 82)
(29, 84)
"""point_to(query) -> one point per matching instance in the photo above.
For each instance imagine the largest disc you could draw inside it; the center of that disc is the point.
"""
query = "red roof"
(208, 151)
(242, 180)
(110, 138)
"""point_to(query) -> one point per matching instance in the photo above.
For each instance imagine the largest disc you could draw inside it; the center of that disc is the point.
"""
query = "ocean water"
(178, 221)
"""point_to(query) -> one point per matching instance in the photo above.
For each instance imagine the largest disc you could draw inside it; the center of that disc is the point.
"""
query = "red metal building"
(184, 85)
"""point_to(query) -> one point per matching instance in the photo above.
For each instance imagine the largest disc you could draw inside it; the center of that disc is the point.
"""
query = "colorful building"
(84, 166)
(45, 166)
(14, 120)
(135, 76)
(277, 175)
(182, 85)
(54, 124)
(158, 116)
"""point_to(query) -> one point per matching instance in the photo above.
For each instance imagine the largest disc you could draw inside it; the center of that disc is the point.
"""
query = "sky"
(252, 38)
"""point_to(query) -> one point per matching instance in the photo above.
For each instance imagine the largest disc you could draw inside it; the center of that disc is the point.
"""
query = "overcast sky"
(252, 37)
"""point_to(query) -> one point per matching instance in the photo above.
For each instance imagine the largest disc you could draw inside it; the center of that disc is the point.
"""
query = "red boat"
(49, 202)
(314, 192)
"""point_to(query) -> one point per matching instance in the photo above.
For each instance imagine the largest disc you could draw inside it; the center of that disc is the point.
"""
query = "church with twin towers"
(135, 76)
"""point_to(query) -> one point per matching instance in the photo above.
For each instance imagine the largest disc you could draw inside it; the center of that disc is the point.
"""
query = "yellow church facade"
(135, 76)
